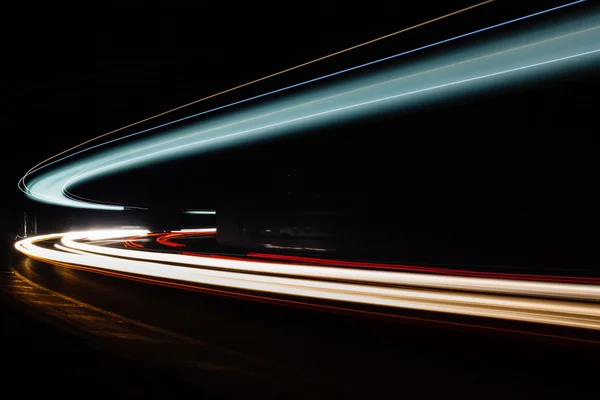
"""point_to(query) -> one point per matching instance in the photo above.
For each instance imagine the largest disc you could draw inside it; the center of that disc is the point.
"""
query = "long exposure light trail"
(117, 165)
(540, 52)
(49, 161)
(563, 304)
(129, 159)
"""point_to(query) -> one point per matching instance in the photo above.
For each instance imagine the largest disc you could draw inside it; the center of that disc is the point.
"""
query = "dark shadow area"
(39, 358)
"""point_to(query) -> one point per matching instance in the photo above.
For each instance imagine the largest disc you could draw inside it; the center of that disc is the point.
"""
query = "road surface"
(234, 347)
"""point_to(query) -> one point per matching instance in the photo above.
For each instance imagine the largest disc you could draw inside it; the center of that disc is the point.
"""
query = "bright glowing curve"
(564, 304)
(85, 174)
(47, 162)
(323, 107)
(131, 160)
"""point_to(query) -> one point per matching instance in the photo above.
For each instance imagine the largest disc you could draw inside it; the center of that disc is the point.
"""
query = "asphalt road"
(39, 359)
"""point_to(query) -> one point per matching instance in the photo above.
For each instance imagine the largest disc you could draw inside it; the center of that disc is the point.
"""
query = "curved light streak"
(410, 86)
(564, 304)
(46, 162)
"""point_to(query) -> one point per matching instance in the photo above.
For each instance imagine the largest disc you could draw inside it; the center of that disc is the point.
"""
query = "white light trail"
(565, 304)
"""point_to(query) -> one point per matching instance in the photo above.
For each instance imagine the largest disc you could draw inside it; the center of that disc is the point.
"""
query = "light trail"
(129, 159)
(46, 162)
(426, 269)
(562, 304)
(124, 163)
(467, 71)
(166, 238)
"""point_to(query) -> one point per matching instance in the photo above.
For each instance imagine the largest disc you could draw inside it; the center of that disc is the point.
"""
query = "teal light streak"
(537, 54)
